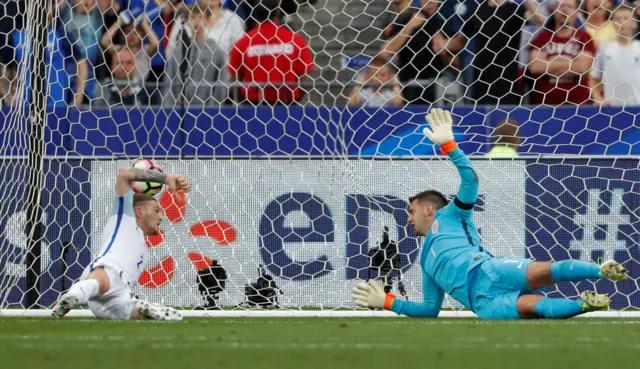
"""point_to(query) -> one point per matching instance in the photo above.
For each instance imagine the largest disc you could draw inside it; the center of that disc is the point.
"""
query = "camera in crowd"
(211, 281)
(385, 259)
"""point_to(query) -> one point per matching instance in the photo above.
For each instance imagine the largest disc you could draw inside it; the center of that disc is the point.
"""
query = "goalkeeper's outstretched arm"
(371, 295)
(429, 308)
(441, 133)
(468, 191)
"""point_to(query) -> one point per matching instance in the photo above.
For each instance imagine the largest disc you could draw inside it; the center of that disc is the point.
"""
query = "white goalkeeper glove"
(371, 295)
(441, 131)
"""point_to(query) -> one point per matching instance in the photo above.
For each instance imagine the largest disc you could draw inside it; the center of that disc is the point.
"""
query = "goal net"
(304, 141)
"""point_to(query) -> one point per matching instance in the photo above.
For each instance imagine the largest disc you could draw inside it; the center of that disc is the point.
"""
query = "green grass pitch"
(328, 343)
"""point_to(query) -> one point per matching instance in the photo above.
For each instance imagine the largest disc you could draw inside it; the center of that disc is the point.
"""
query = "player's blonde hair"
(139, 198)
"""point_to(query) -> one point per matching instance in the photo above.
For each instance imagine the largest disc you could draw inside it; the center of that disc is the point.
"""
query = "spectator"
(531, 27)
(596, 15)
(560, 60)
(119, 89)
(236, 7)
(552, 6)
(11, 19)
(270, 53)
(636, 16)
(222, 26)
(155, 11)
(529, 31)
(83, 26)
(286, 8)
(56, 55)
(134, 41)
(395, 13)
(495, 27)
(206, 66)
(615, 78)
(506, 140)
(170, 18)
(419, 38)
(111, 14)
(386, 92)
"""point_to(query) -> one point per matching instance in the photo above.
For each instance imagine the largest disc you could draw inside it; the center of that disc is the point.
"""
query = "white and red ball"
(147, 188)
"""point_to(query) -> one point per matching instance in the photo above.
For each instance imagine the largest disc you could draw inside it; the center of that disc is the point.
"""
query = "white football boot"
(149, 310)
(64, 305)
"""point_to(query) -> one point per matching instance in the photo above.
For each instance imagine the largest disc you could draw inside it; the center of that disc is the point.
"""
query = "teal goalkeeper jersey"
(451, 249)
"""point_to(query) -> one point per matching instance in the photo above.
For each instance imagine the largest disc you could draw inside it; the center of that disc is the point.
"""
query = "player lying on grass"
(453, 260)
(105, 285)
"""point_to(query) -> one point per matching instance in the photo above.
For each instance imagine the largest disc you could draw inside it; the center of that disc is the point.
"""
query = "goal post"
(37, 118)
(289, 199)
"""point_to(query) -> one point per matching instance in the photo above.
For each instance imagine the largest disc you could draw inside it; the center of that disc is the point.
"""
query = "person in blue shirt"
(57, 55)
(453, 261)
(83, 25)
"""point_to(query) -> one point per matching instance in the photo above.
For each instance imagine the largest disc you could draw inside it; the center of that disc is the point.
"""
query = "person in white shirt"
(105, 285)
(223, 26)
(615, 77)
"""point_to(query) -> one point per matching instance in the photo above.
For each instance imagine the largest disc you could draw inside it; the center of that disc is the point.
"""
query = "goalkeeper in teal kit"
(453, 261)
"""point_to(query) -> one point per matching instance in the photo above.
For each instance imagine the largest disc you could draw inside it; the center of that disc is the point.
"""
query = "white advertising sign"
(308, 221)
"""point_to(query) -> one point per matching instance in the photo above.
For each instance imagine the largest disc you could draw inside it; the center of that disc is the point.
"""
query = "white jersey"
(619, 69)
(123, 246)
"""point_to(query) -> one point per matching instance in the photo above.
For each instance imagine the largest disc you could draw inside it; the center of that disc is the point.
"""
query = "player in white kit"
(105, 285)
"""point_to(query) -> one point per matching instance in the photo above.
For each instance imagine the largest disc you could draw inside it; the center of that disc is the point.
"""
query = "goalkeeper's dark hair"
(433, 197)
(139, 198)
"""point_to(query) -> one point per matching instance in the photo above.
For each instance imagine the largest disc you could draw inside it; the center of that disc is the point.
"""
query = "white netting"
(304, 141)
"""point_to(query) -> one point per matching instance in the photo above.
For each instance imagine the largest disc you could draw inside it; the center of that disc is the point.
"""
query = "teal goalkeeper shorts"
(496, 285)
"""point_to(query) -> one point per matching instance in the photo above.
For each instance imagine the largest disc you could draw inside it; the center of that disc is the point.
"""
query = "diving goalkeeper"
(453, 260)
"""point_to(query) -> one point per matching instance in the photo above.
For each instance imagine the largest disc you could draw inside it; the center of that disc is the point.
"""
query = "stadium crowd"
(485, 52)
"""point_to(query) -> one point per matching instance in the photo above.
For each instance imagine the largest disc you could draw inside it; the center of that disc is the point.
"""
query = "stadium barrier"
(317, 132)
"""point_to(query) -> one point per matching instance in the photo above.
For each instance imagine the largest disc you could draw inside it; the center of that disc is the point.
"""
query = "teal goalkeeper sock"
(574, 270)
(558, 308)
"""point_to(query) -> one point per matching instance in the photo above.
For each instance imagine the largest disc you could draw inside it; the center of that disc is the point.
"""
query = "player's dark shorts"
(495, 286)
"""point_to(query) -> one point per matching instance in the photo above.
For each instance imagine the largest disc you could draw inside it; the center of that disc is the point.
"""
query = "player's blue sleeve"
(429, 308)
(123, 204)
(468, 192)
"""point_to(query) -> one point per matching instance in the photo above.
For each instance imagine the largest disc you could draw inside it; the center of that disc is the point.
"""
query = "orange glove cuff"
(447, 147)
(388, 301)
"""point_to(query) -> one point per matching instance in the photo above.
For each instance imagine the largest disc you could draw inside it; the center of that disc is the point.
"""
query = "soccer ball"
(147, 188)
